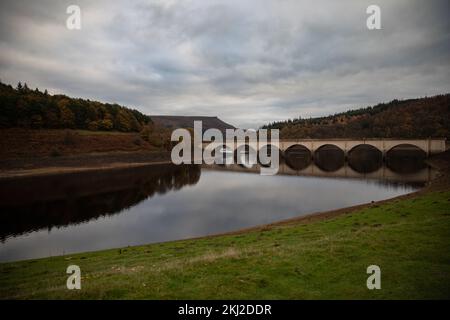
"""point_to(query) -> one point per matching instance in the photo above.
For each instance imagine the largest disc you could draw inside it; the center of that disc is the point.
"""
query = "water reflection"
(52, 215)
(364, 161)
(30, 204)
(353, 170)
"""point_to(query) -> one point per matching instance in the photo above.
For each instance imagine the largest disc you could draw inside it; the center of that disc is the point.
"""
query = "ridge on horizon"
(170, 121)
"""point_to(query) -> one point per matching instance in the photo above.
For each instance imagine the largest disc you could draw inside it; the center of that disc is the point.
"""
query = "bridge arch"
(407, 148)
(328, 147)
(297, 157)
(298, 149)
(365, 158)
(406, 158)
(364, 147)
(329, 157)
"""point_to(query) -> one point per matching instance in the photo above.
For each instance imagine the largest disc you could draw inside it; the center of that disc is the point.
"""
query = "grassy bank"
(408, 238)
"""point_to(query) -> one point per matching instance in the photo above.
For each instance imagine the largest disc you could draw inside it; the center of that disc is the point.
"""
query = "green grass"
(409, 239)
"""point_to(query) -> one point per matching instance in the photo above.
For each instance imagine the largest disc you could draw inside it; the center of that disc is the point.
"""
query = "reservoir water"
(46, 216)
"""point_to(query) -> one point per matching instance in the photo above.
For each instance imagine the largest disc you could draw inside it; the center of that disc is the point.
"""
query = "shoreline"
(11, 174)
(23, 167)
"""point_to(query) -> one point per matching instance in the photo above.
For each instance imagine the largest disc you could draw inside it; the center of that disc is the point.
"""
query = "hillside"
(413, 118)
(38, 143)
(188, 122)
(33, 109)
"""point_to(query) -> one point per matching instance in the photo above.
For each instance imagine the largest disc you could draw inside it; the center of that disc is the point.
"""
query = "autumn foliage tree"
(26, 108)
(413, 118)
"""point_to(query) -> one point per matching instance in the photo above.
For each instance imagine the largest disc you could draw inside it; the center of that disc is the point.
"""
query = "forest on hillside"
(413, 118)
(27, 108)
(23, 107)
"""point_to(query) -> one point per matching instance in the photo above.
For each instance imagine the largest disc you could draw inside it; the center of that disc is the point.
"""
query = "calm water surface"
(55, 215)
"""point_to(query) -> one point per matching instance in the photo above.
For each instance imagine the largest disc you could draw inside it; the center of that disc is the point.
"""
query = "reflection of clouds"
(230, 206)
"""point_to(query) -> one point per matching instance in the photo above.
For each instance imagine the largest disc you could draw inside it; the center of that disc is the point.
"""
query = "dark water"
(61, 214)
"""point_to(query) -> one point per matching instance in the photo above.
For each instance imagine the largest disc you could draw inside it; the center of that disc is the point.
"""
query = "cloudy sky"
(247, 61)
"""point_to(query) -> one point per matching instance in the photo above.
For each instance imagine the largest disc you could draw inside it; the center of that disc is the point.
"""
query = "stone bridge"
(429, 146)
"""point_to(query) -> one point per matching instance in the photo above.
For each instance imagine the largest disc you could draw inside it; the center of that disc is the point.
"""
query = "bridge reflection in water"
(403, 163)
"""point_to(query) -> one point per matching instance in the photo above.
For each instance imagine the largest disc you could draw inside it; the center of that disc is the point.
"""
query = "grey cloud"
(248, 62)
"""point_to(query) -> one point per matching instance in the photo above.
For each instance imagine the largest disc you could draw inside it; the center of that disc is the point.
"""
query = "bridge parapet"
(429, 146)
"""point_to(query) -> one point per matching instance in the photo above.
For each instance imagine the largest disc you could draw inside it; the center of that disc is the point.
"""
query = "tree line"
(412, 118)
(27, 108)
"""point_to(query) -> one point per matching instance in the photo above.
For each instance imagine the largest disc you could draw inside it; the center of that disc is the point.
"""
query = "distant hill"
(412, 118)
(172, 122)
